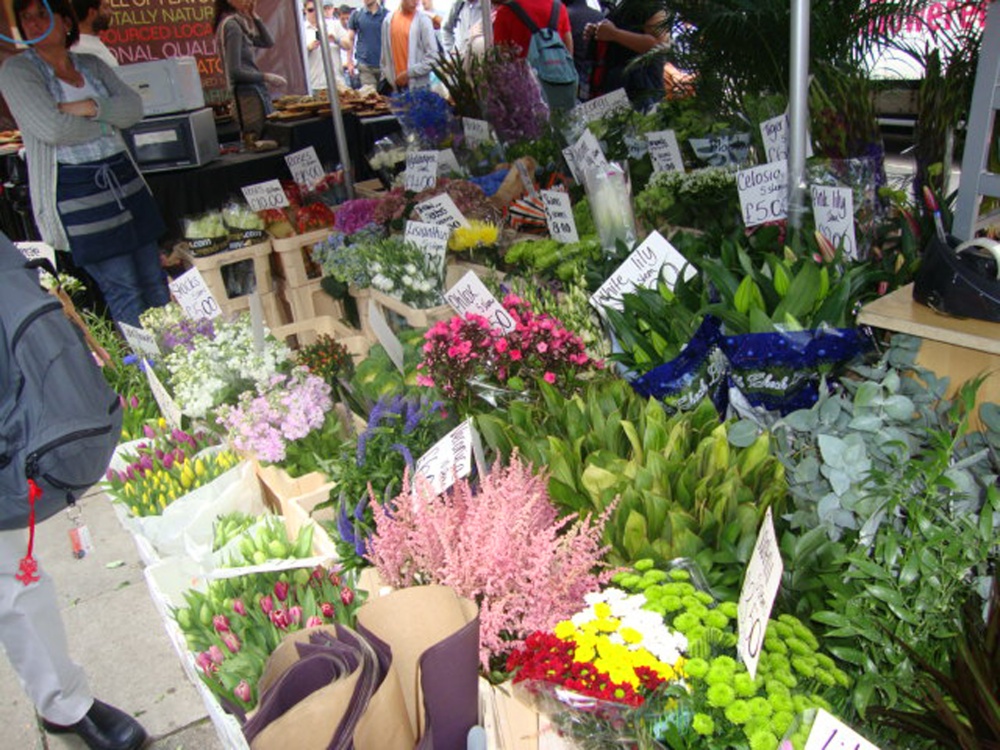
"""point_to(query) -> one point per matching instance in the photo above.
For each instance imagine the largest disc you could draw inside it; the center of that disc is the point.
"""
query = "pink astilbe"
(503, 546)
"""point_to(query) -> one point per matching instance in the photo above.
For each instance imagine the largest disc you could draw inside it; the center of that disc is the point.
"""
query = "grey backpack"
(59, 419)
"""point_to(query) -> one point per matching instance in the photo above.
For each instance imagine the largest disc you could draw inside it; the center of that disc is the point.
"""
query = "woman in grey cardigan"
(238, 32)
(86, 193)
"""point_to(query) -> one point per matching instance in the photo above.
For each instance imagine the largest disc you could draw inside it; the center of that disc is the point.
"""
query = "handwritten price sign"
(833, 209)
(763, 193)
(168, 407)
(664, 151)
(194, 296)
(141, 341)
(829, 733)
(559, 216)
(655, 258)
(305, 167)
(470, 295)
(441, 209)
(421, 170)
(760, 586)
(265, 195)
(450, 458)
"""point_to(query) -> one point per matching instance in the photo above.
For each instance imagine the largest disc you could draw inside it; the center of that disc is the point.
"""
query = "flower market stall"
(567, 437)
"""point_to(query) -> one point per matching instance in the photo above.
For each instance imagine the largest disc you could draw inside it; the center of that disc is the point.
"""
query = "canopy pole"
(798, 112)
(334, 96)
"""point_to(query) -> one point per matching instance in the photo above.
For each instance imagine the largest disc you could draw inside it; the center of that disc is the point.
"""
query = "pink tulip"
(327, 609)
(134, 401)
(239, 607)
(280, 619)
(347, 596)
(243, 692)
(232, 642)
(148, 431)
(168, 461)
(215, 654)
(205, 663)
(220, 623)
(295, 614)
(266, 604)
(281, 590)
(314, 621)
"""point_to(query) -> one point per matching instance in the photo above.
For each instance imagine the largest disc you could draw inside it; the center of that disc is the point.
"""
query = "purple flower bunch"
(512, 97)
(160, 448)
(355, 214)
(284, 409)
(184, 331)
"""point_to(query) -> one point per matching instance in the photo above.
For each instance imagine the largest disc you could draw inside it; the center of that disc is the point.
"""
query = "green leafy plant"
(705, 199)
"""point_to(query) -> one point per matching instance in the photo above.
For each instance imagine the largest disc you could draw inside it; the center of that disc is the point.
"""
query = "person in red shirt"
(508, 29)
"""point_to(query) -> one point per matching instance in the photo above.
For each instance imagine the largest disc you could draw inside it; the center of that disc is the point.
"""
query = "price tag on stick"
(470, 295)
(265, 195)
(449, 459)
(559, 216)
(141, 341)
(441, 209)
(760, 586)
(168, 407)
(829, 733)
(305, 167)
(194, 296)
(389, 340)
(763, 193)
(833, 210)
(664, 151)
(654, 259)
(421, 170)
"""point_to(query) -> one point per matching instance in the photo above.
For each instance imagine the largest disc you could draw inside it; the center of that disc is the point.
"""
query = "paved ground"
(116, 633)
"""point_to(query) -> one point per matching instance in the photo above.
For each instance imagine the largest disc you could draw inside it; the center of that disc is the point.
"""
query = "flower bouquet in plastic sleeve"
(602, 676)
(388, 159)
(610, 196)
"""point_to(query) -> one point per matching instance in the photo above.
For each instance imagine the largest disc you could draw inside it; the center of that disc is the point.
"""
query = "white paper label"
(760, 586)
(763, 193)
(448, 164)
(441, 209)
(470, 295)
(431, 238)
(194, 296)
(168, 407)
(449, 459)
(384, 334)
(597, 108)
(588, 154)
(833, 210)
(265, 195)
(421, 170)
(36, 250)
(664, 151)
(559, 216)
(774, 133)
(141, 341)
(723, 149)
(574, 169)
(830, 733)
(477, 132)
(305, 167)
(654, 259)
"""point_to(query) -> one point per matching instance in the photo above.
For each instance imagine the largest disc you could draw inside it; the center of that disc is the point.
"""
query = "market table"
(359, 132)
(187, 192)
(959, 348)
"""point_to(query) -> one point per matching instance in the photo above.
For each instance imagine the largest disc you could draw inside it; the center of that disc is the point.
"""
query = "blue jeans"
(131, 283)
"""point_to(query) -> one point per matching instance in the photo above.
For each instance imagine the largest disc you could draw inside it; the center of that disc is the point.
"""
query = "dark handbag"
(960, 279)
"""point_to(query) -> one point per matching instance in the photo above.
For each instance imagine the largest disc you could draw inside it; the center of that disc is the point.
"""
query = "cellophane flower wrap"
(720, 705)
(466, 353)
(272, 422)
(164, 466)
(236, 623)
(502, 545)
(391, 265)
(601, 674)
(213, 369)
(398, 430)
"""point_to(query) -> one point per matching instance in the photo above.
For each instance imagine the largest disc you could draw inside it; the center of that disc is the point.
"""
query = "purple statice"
(513, 98)
(355, 214)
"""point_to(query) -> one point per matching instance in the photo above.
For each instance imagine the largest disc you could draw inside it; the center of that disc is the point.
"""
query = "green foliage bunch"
(704, 198)
(688, 486)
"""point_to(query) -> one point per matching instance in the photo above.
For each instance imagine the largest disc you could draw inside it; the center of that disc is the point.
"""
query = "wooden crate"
(292, 257)
(398, 314)
(275, 309)
(310, 301)
(304, 332)
(215, 268)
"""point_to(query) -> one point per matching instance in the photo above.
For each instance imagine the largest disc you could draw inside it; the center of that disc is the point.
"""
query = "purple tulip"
(243, 692)
(231, 641)
(295, 614)
(281, 590)
(314, 621)
(134, 401)
(121, 401)
(148, 431)
(266, 604)
(168, 461)
(239, 607)
(220, 623)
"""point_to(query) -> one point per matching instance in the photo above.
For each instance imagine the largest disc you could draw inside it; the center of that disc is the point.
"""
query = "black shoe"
(104, 728)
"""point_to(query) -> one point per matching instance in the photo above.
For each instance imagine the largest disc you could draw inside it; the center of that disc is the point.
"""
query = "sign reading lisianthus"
(593, 671)
(203, 373)
(269, 422)
(463, 354)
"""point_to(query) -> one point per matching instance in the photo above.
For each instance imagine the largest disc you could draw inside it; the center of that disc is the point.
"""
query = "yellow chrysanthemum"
(477, 234)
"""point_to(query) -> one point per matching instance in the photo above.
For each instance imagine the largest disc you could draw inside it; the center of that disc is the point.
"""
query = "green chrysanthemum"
(703, 724)
(738, 712)
(720, 695)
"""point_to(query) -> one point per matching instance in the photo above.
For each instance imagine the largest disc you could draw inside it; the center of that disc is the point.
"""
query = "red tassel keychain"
(28, 569)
